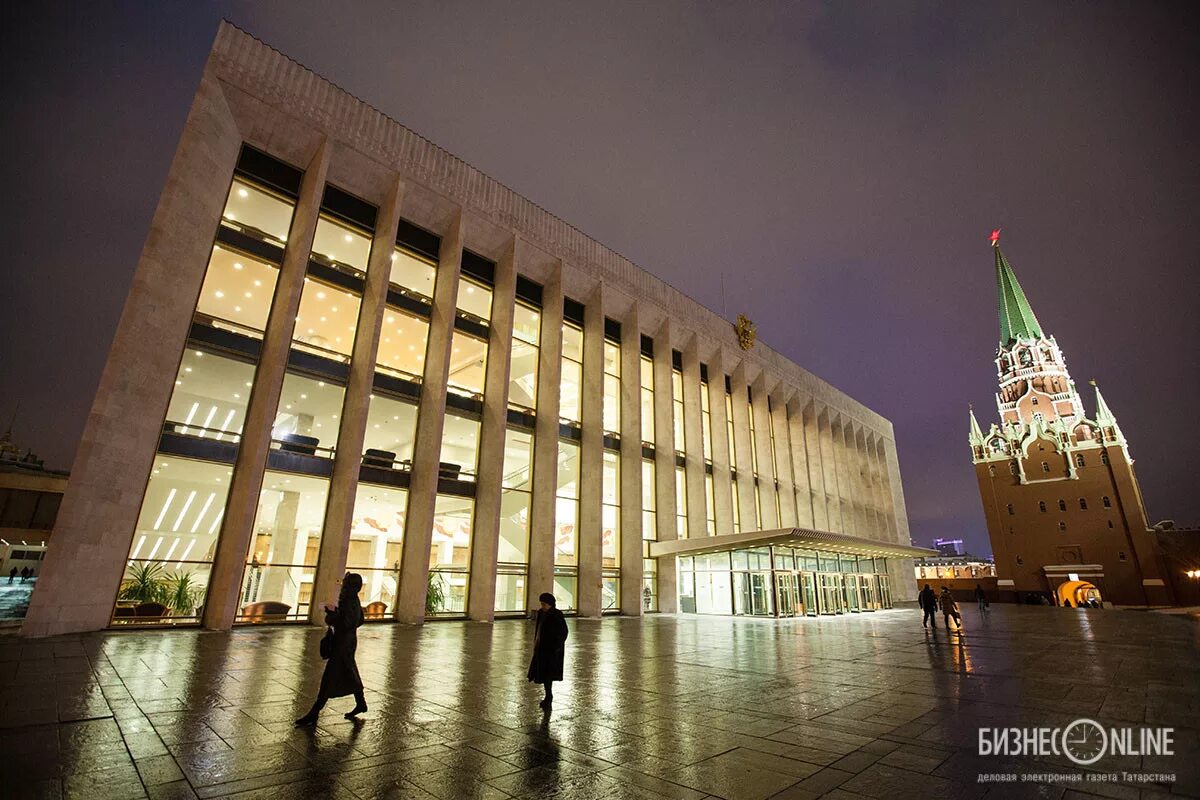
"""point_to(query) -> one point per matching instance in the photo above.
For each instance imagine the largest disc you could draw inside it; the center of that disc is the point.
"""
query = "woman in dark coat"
(549, 637)
(341, 671)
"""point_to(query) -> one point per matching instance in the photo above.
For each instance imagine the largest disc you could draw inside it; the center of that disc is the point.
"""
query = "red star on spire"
(995, 238)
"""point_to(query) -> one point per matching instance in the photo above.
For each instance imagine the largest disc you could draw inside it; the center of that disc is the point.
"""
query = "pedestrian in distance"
(928, 602)
(24, 574)
(950, 609)
(549, 639)
(341, 670)
(12, 574)
(981, 598)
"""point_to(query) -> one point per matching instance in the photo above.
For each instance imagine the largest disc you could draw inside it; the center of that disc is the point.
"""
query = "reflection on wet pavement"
(668, 707)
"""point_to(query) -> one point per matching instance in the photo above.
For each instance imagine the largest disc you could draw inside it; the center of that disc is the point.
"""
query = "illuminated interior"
(327, 319)
(238, 290)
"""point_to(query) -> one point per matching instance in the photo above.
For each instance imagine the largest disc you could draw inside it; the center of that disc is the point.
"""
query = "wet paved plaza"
(669, 707)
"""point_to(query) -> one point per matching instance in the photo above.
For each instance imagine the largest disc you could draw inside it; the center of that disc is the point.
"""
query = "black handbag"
(327, 644)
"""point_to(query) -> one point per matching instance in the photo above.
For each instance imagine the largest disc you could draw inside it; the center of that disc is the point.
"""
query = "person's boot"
(307, 720)
(360, 706)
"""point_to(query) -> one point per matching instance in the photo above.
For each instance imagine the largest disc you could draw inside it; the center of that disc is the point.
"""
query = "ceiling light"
(219, 293)
(237, 265)
(243, 193)
(320, 295)
(349, 238)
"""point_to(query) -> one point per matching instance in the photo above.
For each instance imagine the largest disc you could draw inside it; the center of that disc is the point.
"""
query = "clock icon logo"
(1085, 741)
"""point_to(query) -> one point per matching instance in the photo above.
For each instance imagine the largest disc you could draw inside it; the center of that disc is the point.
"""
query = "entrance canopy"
(789, 537)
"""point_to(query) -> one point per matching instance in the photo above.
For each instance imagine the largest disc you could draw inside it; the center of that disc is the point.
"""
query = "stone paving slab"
(677, 707)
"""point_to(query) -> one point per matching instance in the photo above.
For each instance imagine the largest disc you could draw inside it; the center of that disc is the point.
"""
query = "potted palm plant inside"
(145, 584)
(435, 594)
(182, 594)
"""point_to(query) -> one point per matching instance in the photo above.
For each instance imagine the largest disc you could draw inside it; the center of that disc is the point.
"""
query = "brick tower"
(1063, 507)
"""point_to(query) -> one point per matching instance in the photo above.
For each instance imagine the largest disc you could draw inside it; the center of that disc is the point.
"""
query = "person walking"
(981, 598)
(341, 670)
(549, 638)
(24, 574)
(12, 574)
(950, 609)
(928, 602)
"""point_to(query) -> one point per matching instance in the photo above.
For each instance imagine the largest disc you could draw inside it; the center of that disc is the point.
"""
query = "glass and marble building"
(346, 349)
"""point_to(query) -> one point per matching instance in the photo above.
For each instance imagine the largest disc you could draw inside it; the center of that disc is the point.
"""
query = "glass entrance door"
(831, 601)
(787, 595)
(850, 592)
(885, 592)
(870, 599)
(809, 590)
(753, 594)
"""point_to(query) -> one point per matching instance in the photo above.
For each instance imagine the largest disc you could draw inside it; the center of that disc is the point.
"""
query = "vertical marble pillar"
(799, 455)
(693, 442)
(722, 480)
(591, 459)
(766, 461)
(741, 442)
(833, 506)
(485, 537)
(237, 529)
(343, 485)
(816, 472)
(630, 516)
(664, 466)
(841, 460)
(783, 462)
(545, 442)
(431, 415)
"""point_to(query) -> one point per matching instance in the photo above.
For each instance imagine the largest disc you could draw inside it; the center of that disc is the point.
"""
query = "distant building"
(1062, 502)
(949, 547)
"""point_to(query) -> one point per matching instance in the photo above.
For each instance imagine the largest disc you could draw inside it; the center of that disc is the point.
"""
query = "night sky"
(841, 164)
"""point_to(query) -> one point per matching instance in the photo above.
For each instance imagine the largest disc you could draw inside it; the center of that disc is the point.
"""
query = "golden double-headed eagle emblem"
(746, 332)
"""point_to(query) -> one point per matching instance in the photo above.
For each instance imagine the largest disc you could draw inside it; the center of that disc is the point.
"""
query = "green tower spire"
(1016, 317)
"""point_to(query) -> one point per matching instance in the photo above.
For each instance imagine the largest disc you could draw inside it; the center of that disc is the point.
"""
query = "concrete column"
(867, 521)
(783, 462)
(854, 467)
(664, 466)
(741, 442)
(225, 581)
(545, 442)
(722, 482)
(833, 505)
(693, 442)
(798, 452)
(591, 459)
(485, 538)
(766, 461)
(842, 458)
(879, 524)
(431, 417)
(87, 554)
(631, 465)
(816, 473)
(343, 485)
(895, 513)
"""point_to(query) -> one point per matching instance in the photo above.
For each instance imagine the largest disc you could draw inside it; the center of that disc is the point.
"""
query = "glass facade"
(174, 542)
(237, 291)
(566, 522)
(647, 399)
(774, 581)
(516, 496)
(612, 388)
(277, 582)
(327, 320)
(610, 531)
(523, 366)
(402, 345)
(376, 543)
(450, 556)
(571, 383)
